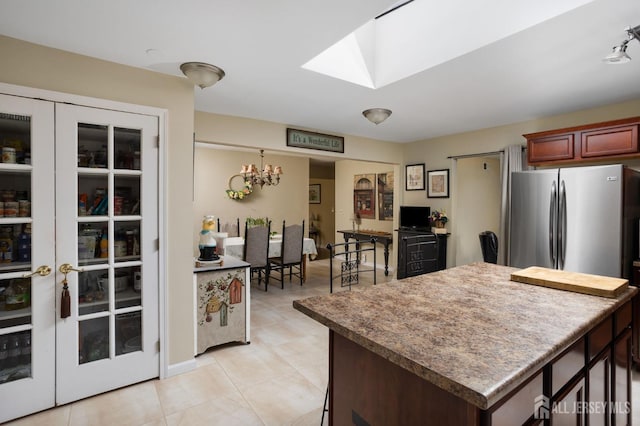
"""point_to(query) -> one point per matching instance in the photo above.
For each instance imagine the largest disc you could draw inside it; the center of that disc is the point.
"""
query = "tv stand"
(417, 253)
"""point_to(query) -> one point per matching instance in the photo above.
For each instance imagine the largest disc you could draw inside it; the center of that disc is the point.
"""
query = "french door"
(107, 230)
(86, 183)
(27, 311)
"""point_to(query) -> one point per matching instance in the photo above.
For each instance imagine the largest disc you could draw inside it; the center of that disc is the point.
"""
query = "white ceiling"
(551, 68)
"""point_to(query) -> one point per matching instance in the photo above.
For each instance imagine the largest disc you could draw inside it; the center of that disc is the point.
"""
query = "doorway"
(322, 179)
(477, 201)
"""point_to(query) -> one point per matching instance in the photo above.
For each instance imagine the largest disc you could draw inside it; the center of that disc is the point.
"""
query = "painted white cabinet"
(222, 305)
(79, 187)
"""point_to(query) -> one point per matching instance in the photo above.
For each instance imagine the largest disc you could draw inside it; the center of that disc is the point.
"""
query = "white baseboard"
(183, 367)
(378, 266)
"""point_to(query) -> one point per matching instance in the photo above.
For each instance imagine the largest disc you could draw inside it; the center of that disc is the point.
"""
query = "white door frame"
(162, 115)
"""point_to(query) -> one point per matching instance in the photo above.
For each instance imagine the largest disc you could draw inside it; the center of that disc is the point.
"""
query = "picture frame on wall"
(364, 201)
(414, 177)
(438, 183)
(314, 193)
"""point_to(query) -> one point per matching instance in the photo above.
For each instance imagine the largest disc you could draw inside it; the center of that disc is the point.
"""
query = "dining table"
(234, 246)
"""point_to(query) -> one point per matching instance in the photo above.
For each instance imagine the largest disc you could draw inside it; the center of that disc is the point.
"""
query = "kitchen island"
(468, 346)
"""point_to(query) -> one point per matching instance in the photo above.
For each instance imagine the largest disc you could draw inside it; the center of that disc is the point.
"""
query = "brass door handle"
(65, 268)
(42, 270)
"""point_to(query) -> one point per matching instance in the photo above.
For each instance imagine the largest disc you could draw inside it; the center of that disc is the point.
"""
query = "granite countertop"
(228, 262)
(469, 330)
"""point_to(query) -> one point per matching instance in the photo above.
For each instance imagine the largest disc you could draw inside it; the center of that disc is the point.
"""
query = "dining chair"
(227, 227)
(290, 254)
(256, 251)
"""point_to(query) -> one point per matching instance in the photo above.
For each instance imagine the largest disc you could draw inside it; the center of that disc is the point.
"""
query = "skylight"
(419, 35)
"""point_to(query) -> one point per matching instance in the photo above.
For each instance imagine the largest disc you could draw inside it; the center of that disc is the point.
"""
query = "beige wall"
(434, 152)
(345, 171)
(36, 66)
(238, 131)
(288, 201)
(325, 210)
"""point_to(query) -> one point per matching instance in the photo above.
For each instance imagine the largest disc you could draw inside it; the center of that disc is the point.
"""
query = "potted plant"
(439, 218)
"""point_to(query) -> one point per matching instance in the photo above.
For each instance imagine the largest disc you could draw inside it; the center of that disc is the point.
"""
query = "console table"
(384, 238)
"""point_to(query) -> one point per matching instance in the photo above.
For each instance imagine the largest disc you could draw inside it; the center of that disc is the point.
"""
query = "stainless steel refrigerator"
(579, 219)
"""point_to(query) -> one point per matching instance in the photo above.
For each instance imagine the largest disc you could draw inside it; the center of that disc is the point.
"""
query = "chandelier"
(267, 175)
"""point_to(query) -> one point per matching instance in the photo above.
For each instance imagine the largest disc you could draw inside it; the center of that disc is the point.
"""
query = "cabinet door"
(600, 391)
(609, 141)
(621, 392)
(27, 345)
(551, 148)
(566, 407)
(107, 226)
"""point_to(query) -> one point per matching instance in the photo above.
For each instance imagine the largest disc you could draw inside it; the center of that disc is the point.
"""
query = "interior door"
(107, 234)
(27, 318)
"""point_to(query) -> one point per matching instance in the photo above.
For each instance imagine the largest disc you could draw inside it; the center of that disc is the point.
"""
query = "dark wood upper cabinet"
(593, 142)
(551, 148)
(610, 141)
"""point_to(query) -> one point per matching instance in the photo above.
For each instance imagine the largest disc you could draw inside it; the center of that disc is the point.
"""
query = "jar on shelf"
(17, 295)
(11, 208)
(24, 244)
(13, 351)
(6, 245)
(8, 155)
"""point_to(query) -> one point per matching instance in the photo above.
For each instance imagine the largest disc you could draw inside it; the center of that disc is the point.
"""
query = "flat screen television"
(414, 217)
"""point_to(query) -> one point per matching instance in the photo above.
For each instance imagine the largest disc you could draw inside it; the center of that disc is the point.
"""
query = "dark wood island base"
(590, 379)
(446, 349)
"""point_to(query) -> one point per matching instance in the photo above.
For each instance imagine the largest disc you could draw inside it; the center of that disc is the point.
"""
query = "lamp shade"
(376, 115)
(203, 75)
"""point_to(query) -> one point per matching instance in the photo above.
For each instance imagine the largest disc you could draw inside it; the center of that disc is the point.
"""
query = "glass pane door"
(107, 227)
(27, 364)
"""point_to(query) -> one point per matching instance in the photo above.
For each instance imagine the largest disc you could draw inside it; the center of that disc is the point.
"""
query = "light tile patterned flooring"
(278, 379)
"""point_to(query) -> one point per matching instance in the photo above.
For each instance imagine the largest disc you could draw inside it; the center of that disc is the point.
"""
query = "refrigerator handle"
(552, 220)
(562, 226)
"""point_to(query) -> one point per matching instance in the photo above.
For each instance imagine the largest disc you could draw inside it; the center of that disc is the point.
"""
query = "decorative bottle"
(104, 244)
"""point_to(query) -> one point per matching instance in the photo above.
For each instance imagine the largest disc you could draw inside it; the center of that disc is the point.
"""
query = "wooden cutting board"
(596, 285)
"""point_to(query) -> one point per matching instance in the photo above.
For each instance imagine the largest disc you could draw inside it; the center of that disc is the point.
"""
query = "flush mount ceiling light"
(376, 115)
(203, 75)
(619, 54)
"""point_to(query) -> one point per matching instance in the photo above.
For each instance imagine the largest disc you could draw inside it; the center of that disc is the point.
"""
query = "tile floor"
(278, 379)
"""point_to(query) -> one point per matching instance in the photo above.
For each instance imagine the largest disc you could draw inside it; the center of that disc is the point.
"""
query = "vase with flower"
(439, 220)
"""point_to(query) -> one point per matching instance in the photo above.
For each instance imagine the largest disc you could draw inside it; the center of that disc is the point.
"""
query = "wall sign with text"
(312, 140)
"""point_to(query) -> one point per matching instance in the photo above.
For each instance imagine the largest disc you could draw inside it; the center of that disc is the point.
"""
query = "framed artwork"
(364, 202)
(385, 196)
(314, 193)
(414, 177)
(438, 183)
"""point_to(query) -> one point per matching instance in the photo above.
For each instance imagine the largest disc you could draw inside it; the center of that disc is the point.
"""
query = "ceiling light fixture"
(376, 115)
(203, 75)
(267, 175)
(619, 54)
